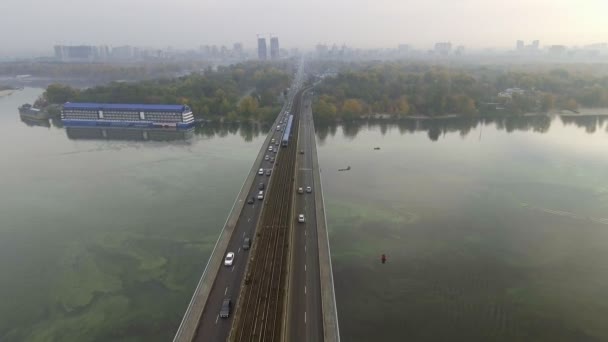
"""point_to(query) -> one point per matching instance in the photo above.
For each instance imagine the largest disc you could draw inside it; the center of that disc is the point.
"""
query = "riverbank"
(583, 112)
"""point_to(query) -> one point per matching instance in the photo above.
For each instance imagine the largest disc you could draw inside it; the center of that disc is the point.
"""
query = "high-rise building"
(262, 54)
(443, 48)
(274, 48)
(519, 46)
(75, 53)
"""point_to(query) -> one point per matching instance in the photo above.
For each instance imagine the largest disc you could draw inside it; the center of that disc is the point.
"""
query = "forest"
(248, 91)
(416, 89)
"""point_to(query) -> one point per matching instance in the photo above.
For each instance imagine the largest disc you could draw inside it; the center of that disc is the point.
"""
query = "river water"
(494, 230)
(104, 237)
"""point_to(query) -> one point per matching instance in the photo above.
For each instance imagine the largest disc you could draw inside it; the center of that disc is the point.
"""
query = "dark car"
(251, 200)
(301, 151)
(225, 310)
(261, 186)
(246, 243)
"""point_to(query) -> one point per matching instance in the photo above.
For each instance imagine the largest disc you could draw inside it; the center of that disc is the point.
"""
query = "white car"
(261, 172)
(266, 157)
(308, 189)
(270, 148)
(300, 190)
(229, 259)
(301, 218)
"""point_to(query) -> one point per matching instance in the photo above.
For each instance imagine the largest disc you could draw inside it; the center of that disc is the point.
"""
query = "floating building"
(126, 115)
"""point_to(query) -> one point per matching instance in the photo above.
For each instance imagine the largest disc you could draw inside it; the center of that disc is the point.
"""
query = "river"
(494, 230)
(103, 236)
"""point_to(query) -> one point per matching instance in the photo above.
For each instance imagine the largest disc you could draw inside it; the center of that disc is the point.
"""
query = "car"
(251, 200)
(275, 150)
(272, 140)
(272, 159)
(268, 172)
(278, 128)
(301, 218)
(300, 190)
(261, 195)
(260, 172)
(301, 151)
(266, 157)
(246, 243)
(261, 186)
(229, 260)
(276, 143)
(225, 310)
(270, 148)
(308, 189)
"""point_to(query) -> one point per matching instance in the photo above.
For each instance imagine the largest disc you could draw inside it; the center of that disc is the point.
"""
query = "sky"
(36, 25)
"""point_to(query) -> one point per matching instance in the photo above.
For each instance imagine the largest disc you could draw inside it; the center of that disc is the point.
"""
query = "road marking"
(239, 250)
(226, 291)
(243, 234)
(305, 233)
(231, 268)
(304, 267)
(218, 317)
(304, 248)
(249, 219)
(304, 317)
(304, 289)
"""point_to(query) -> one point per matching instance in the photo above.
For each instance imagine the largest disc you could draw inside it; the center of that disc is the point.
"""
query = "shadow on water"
(436, 128)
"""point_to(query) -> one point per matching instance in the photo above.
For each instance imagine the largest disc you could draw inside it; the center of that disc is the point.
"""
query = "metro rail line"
(259, 312)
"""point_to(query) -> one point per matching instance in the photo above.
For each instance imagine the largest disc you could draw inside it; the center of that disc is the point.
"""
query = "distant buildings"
(508, 93)
(557, 50)
(443, 48)
(75, 53)
(274, 48)
(521, 47)
(262, 53)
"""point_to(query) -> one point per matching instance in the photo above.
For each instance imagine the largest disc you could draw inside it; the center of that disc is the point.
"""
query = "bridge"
(281, 289)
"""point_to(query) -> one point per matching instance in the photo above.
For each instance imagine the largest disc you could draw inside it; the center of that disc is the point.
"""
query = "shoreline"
(584, 112)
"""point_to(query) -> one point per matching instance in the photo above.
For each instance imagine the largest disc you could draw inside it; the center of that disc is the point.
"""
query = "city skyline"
(360, 23)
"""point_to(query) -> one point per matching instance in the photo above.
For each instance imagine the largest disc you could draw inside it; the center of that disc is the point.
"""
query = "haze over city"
(302, 24)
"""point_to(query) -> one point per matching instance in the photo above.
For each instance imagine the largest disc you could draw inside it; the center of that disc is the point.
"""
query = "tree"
(547, 102)
(248, 107)
(59, 94)
(352, 109)
(402, 106)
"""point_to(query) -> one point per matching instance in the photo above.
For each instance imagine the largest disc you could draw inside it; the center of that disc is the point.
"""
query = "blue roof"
(124, 106)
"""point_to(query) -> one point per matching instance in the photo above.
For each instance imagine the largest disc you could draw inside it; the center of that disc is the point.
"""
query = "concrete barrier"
(187, 329)
(331, 330)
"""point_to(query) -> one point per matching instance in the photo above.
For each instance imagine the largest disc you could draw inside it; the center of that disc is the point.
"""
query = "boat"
(28, 111)
(347, 169)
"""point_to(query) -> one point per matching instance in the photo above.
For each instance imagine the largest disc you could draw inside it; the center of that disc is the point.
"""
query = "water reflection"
(247, 130)
(436, 128)
(131, 134)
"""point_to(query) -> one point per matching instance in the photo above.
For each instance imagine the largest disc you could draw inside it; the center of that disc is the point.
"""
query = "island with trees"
(251, 91)
(401, 89)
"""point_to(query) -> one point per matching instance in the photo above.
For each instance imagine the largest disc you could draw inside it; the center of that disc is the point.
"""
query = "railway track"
(260, 309)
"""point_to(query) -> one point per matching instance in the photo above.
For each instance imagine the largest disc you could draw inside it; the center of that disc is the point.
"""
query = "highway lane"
(305, 315)
(228, 280)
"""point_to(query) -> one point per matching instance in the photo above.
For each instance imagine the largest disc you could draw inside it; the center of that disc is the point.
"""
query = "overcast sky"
(37, 25)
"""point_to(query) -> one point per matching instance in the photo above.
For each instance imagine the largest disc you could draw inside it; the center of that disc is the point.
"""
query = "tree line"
(247, 91)
(403, 89)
